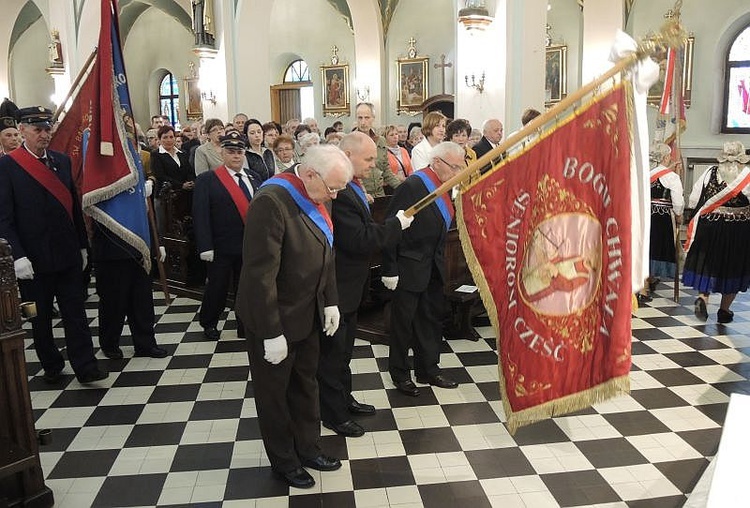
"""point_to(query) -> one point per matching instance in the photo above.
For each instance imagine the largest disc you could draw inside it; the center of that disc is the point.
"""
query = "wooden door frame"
(274, 91)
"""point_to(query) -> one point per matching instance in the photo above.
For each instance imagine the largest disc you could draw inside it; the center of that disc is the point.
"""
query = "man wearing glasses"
(286, 296)
(414, 270)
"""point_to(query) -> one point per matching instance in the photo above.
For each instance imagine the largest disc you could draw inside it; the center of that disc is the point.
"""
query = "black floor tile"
(663, 322)
(490, 390)
(641, 348)
(332, 499)
(717, 412)
(636, 423)
(84, 464)
(248, 429)
(334, 446)
(690, 359)
(367, 381)
(499, 463)
(650, 334)
(170, 327)
(60, 439)
(138, 378)
(579, 488)
(398, 399)
(683, 473)
(198, 457)
(611, 453)
(155, 434)
(115, 415)
(470, 413)
(704, 343)
(80, 398)
(225, 374)
(381, 472)
(440, 440)
(174, 393)
(675, 377)
(216, 409)
(661, 502)
(231, 346)
(382, 420)
(453, 494)
(705, 441)
(480, 358)
(362, 352)
(658, 398)
(137, 490)
(254, 483)
(189, 362)
(542, 432)
(733, 387)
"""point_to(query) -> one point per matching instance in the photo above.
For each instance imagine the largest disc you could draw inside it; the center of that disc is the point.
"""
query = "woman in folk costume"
(666, 199)
(718, 236)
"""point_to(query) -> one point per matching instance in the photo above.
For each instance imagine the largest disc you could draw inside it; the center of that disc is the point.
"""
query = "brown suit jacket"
(288, 274)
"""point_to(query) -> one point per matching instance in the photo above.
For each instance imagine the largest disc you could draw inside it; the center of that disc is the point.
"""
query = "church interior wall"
(712, 30)
(156, 41)
(566, 21)
(433, 27)
(30, 83)
(294, 31)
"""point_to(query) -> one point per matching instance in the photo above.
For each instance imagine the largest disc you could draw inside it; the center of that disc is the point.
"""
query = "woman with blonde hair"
(433, 128)
(398, 158)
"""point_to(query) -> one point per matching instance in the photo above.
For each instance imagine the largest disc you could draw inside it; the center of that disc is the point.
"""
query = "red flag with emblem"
(547, 237)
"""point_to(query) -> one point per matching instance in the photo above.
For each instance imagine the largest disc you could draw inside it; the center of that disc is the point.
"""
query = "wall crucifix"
(442, 65)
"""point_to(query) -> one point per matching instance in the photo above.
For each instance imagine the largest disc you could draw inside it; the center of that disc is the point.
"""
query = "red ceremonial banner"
(547, 238)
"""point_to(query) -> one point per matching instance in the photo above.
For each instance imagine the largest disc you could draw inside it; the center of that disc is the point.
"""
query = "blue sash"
(439, 202)
(359, 192)
(305, 205)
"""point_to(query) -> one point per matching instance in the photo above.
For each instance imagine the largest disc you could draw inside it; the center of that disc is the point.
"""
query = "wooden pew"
(21, 477)
(185, 272)
(374, 312)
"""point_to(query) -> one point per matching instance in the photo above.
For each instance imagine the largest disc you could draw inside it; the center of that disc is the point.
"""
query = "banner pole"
(646, 48)
(159, 264)
(84, 72)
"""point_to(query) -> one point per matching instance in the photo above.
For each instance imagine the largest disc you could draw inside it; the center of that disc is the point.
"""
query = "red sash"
(45, 177)
(730, 191)
(233, 188)
(430, 173)
(659, 174)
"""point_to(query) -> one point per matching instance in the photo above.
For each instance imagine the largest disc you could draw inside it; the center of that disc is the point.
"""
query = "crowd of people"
(282, 215)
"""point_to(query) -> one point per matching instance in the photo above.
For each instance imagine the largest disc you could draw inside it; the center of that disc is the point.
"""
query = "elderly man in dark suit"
(414, 270)
(40, 216)
(492, 134)
(356, 237)
(287, 293)
(220, 201)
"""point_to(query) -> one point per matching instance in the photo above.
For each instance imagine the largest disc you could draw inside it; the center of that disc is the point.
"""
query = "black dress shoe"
(52, 377)
(298, 478)
(347, 429)
(724, 316)
(700, 310)
(211, 333)
(440, 381)
(407, 388)
(113, 353)
(92, 376)
(322, 463)
(154, 352)
(643, 298)
(357, 408)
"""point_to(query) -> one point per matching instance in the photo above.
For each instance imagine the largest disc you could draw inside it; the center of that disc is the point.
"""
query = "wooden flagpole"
(84, 72)
(645, 48)
(157, 246)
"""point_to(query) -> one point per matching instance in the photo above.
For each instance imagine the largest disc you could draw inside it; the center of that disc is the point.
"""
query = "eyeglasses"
(284, 149)
(454, 167)
(330, 191)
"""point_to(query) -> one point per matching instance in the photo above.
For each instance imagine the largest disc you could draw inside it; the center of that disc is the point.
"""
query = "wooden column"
(21, 477)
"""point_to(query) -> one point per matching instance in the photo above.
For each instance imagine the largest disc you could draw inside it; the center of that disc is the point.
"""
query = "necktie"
(45, 161)
(243, 187)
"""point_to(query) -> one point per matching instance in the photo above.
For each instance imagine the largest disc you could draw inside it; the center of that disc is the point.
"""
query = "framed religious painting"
(193, 104)
(556, 74)
(413, 79)
(660, 57)
(335, 79)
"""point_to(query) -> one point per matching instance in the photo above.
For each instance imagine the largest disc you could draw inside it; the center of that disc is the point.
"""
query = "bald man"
(492, 134)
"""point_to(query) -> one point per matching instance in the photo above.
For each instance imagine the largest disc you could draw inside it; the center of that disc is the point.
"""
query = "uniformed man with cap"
(41, 218)
(10, 138)
(220, 201)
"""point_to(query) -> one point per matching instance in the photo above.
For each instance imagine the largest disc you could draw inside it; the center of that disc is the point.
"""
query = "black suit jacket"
(165, 169)
(482, 147)
(216, 222)
(288, 275)
(355, 237)
(421, 249)
(34, 222)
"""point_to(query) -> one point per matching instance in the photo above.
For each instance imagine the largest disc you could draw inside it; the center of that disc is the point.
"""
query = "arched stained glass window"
(737, 86)
(169, 99)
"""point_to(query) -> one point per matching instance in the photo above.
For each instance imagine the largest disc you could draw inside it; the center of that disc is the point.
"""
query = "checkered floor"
(183, 430)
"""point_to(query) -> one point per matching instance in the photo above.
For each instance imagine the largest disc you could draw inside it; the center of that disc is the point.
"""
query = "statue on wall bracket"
(203, 23)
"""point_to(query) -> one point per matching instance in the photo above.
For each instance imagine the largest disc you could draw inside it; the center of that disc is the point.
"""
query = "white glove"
(331, 316)
(24, 270)
(276, 349)
(390, 282)
(207, 256)
(162, 254)
(403, 219)
(85, 258)
(148, 187)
